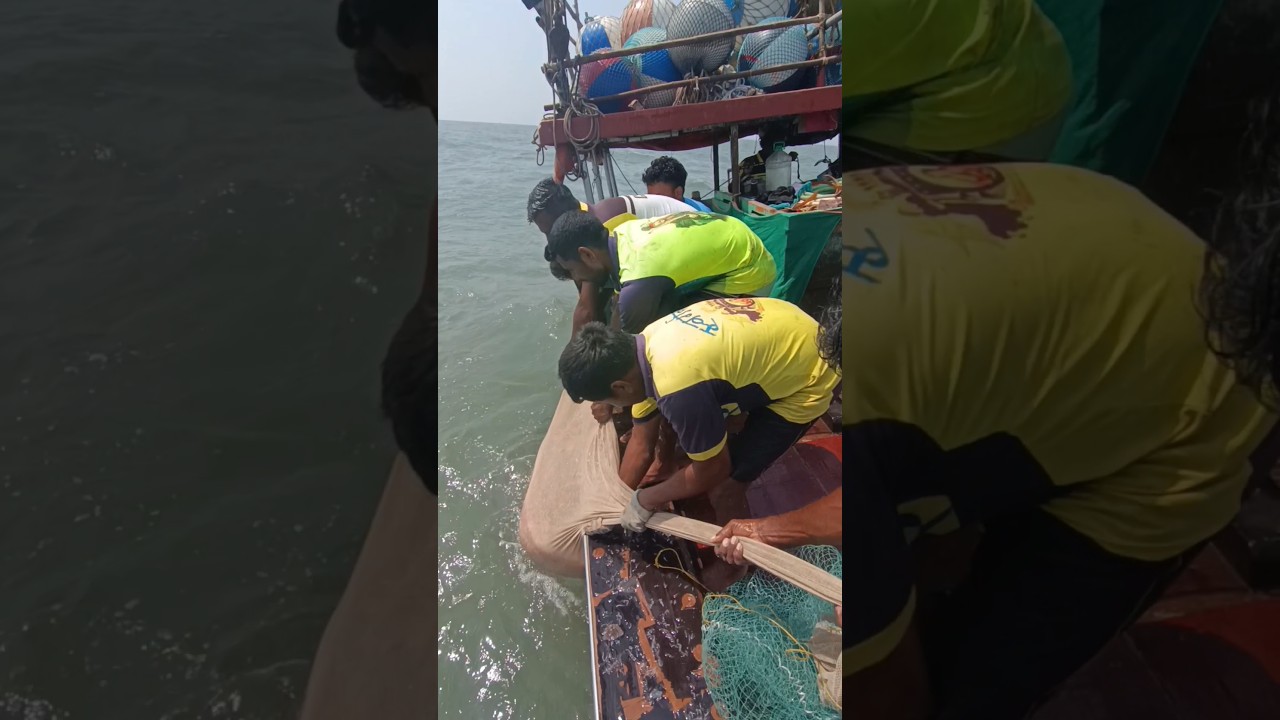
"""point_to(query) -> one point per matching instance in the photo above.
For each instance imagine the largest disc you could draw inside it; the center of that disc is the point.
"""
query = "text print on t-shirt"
(866, 261)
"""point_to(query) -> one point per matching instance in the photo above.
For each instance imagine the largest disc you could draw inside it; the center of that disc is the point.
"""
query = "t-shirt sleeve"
(612, 223)
(644, 411)
(696, 416)
(642, 301)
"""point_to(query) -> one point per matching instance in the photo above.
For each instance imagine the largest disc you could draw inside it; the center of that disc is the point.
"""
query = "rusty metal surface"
(647, 629)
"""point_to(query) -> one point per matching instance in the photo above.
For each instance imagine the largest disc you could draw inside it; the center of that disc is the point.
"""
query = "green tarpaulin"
(1130, 62)
(795, 241)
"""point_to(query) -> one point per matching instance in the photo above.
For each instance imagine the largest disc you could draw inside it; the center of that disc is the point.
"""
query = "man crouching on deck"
(694, 367)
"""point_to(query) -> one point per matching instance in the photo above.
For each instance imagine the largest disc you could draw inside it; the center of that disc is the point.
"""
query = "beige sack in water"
(574, 489)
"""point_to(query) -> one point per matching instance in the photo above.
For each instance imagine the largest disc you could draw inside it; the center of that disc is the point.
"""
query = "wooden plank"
(646, 628)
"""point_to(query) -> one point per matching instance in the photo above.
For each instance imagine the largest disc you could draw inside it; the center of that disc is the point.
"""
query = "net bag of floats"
(769, 650)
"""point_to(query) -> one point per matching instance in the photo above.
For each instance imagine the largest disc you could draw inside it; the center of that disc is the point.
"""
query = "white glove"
(635, 516)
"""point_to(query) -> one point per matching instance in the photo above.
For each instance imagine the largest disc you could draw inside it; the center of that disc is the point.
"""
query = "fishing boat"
(644, 602)
(1209, 648)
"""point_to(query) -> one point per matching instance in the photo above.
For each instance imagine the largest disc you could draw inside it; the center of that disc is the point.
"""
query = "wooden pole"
(666, 44)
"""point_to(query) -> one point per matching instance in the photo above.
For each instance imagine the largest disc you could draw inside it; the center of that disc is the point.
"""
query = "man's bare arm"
(695, 479)
(590, 307)
(818, 523)
(639, 452)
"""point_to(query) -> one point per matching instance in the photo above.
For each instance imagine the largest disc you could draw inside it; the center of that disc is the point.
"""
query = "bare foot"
(717, 576)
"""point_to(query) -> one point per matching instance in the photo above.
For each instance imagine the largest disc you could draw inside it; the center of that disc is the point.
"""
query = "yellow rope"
(799, 651)
(657, 562)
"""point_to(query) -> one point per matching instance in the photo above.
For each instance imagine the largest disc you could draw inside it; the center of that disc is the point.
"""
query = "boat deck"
(1209, 650)
(646, 616)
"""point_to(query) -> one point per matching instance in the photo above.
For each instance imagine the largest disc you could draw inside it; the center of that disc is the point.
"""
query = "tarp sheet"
(1130, 62)
(795, 240)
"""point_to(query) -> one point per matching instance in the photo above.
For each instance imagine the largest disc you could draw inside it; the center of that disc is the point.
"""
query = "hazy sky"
(491, 53)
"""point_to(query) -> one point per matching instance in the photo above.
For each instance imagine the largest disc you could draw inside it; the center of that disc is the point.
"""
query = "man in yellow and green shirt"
(695, 367)
(1026, 356)
(660, 265)
(549, 200)
(945, 76)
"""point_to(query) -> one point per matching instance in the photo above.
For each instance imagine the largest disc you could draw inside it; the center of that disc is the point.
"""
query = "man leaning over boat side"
(549, 200)
(376, 658)
(1059, 397)
(661, 265)
(751, 355)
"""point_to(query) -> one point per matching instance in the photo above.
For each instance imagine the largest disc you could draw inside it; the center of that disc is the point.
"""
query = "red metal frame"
(689, 127)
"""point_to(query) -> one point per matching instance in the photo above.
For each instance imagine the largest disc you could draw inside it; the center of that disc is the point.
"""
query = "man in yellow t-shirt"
(694, 367)
(660, 265)
(945, 76)
(1025, 355)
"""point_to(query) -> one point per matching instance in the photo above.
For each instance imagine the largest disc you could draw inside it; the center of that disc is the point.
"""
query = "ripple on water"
(18, 707)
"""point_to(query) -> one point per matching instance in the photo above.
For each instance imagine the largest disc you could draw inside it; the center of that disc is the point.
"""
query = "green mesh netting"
(754, 645)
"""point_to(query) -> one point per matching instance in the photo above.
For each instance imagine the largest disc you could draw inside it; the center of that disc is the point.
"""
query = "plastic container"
(777, 169)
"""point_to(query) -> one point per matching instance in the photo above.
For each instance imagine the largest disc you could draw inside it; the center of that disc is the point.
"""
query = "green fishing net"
(755, 646)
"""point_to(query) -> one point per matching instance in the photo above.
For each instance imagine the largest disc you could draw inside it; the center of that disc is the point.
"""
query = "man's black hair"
(573, 230)
(594, 360)
(1241, 287)
(409, 396)
(408, 22)
(551, 197)
(665, 169)
(830, 329)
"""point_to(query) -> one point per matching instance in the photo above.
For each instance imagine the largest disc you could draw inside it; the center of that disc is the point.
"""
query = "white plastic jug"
(777, 169)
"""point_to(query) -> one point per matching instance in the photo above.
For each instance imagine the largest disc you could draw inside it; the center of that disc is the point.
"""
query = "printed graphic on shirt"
(746, 307)
(863, 261)
(684, 219)
(983, 192)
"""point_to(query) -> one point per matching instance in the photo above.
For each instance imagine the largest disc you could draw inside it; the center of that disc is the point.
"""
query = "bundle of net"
(755, 645)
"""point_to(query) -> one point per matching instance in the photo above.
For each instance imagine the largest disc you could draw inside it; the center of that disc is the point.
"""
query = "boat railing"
(560, 71)
(581, 134)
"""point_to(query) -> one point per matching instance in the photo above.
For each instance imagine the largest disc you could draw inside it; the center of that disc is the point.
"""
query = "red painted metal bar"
(701, 124)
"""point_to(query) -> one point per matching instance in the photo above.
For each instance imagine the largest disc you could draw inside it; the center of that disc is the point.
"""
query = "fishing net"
(755, 644)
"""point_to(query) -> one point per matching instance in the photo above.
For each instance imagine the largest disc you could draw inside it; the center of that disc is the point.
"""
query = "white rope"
(779, 563)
